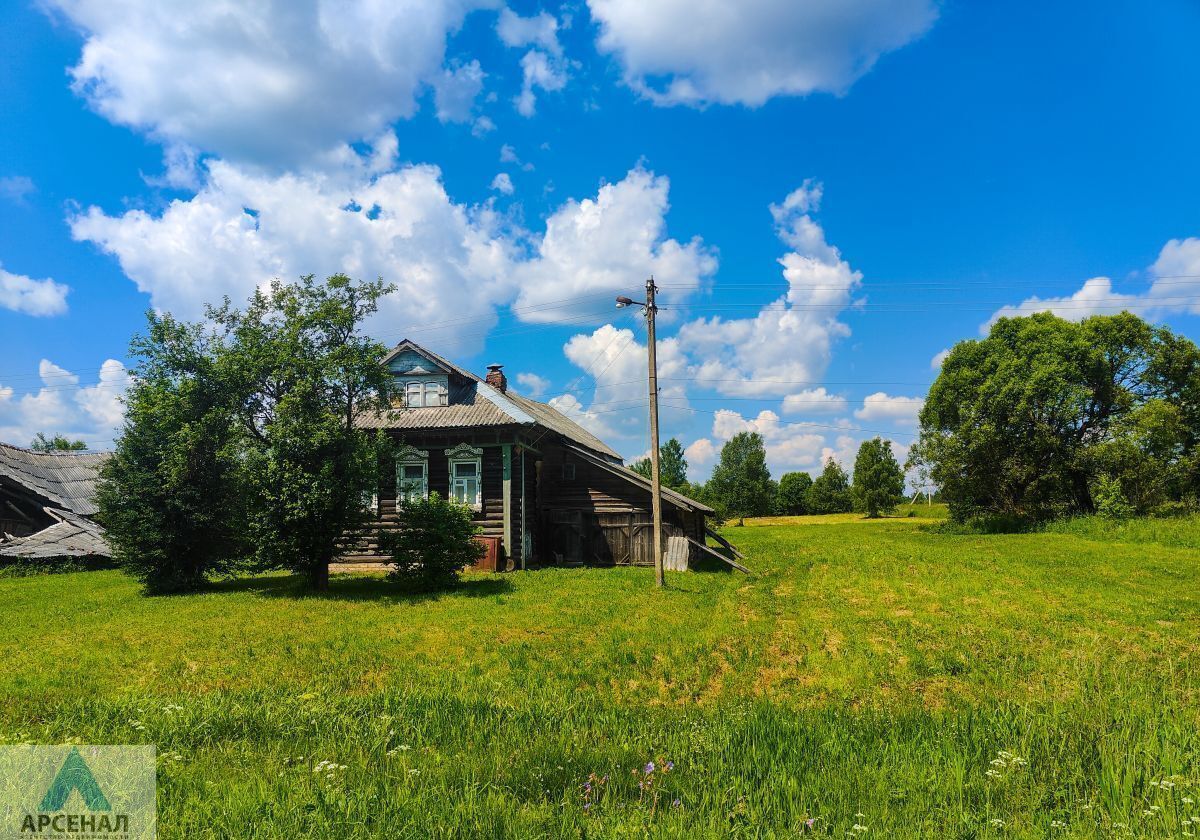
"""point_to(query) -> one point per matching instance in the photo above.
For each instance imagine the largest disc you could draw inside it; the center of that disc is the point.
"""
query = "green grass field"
(882, 679)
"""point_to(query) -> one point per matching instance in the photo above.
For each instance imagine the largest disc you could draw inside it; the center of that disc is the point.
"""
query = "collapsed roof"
(56, 490)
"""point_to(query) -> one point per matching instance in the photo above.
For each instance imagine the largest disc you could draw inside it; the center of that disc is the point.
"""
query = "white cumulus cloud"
(814, 401)
(788, 445)
(606, 244)
(455, 89)
(1174, 288)
(881, 406)
(540, 30)
(789, 341)
(533, 384)
(503, 184)
(244, 228)
(539, 71)
(32, 297)
(61, 405)
(274, 83)
(712, 51)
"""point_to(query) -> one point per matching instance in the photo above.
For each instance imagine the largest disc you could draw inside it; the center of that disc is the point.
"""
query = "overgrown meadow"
(873, 679)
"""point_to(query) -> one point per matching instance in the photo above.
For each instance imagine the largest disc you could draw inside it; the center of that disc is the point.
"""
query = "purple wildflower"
(670, 765)
(650, 767)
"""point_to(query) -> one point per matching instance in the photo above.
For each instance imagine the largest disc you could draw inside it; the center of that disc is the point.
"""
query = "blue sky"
(830, 193)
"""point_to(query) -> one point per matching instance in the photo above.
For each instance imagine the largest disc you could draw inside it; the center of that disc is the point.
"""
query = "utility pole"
(655, 480)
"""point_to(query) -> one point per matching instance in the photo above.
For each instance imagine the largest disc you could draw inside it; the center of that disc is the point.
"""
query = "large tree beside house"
(302, 371)
(171, 496)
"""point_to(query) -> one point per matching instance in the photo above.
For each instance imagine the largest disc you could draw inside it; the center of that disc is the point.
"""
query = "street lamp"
(655, 480)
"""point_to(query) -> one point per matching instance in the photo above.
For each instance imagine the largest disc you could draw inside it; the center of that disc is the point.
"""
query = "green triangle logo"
(74, 775)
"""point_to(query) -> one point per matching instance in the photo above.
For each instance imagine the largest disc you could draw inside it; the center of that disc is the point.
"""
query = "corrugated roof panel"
(65, 478)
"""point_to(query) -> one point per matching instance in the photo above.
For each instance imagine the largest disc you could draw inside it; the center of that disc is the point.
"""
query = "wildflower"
(997, 823)
(858, 828)
(1057, 824)
(650, 767)
(676, 803)
(670, 765)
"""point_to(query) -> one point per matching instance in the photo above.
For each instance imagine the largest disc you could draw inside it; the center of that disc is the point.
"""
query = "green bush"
(434, 542)
(1110, 501)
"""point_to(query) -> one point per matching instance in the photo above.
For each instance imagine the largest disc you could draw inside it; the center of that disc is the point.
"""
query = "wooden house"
(548, 489)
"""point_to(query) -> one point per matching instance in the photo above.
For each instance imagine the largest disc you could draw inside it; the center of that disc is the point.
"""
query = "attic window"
(568, 472)
(419, 394)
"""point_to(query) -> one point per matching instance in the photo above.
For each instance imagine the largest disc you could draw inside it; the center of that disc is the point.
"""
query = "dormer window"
(424, 393)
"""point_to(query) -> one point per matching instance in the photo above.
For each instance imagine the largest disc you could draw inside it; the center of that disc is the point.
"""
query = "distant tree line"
(1046, 418)
(741, 485)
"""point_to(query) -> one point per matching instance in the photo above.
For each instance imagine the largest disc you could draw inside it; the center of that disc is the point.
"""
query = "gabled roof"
(476, 403)
(66, 479)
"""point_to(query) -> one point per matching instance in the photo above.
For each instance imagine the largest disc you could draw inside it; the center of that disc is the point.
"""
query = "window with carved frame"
(466, 475)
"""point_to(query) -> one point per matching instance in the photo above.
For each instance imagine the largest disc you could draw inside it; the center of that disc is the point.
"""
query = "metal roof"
(476, 403)
(71, 536)
(66, 479)
(669, 496)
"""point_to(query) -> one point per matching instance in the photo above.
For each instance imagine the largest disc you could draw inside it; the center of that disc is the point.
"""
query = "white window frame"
(464, 453)
(409, 388)
(409, 456)
(421, 393)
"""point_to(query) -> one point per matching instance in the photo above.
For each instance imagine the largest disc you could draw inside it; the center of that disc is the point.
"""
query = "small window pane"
(414, 471)
(412, 395)
(463, 470)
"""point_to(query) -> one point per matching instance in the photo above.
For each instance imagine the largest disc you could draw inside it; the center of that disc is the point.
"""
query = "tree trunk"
(319, 577)
(1082, 492)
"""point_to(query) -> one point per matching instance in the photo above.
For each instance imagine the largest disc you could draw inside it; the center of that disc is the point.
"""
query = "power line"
(805, 423)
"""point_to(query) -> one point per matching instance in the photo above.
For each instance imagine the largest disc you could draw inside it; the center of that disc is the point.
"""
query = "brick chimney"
(496, 378)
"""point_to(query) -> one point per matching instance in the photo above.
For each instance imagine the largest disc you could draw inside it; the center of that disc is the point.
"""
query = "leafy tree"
(435, 540)
(58, 443)
(878, 480)
(170, 496)
(303, 372)
(1022, 423)
(830, 492)
(792, 499)
(741, 480)
(672, 466)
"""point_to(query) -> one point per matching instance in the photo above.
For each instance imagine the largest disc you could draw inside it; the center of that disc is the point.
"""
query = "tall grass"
(909, 683)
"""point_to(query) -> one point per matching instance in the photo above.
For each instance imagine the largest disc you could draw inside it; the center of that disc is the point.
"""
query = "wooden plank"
(725, 543)
(506, 495)
(720, 556)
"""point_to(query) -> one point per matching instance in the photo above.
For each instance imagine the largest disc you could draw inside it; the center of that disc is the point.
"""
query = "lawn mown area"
(875, 678)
